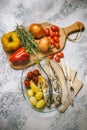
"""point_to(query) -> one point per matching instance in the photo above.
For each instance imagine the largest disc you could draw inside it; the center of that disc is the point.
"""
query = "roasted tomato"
(26, 83)
(35, 79)
(36, 72)
(30, 75)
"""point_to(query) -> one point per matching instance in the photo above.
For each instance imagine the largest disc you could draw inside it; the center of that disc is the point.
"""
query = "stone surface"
(15, 114)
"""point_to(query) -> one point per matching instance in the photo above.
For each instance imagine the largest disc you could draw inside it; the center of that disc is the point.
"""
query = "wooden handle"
(76, 27)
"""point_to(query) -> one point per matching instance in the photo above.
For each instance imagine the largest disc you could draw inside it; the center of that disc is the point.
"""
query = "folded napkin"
(76, 84)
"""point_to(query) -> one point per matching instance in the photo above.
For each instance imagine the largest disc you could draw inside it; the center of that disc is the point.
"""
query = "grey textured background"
(15, 114)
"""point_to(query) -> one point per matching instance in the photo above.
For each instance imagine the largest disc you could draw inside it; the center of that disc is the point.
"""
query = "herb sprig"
(27, 40)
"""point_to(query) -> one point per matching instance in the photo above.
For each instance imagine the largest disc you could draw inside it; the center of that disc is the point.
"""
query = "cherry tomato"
(57, 59)
(57, 34)
(26, 83)
(57, 45)
(51, 35)
(56, 39)
(47, 32)
(52, 41)
(60, 54)
(50, 56)
(54, 28)
(30, 75)
(36, 72)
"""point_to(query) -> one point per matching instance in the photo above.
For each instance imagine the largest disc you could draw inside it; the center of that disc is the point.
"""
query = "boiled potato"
(39, 95)
(30, 92)
(33, 87)
(40, 104)
(33, 101)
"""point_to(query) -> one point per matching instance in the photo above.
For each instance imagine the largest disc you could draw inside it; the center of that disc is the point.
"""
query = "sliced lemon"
(41, 82)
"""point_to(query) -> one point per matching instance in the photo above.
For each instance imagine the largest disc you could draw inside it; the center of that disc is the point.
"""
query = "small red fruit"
(36, 72)
(57, 45)
(30, 75)
(57, 34)
(51, 35)
(57, 59)
(52, 41)
(47, 32)
(35, 79)
(26, 83)
(60, 54)
(56, 39)
(50, 56)
(54, 28)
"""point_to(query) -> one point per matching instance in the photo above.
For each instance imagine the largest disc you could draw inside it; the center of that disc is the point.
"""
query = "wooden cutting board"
(64, 33)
